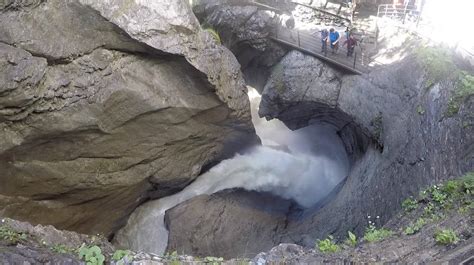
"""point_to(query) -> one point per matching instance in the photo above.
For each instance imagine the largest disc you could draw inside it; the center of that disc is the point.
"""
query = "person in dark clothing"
(351, 42)
(324, 40)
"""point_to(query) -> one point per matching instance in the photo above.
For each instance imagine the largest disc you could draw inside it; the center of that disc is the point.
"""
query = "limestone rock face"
(170, 26)
(227, 224)
(245, 29)
(408, 141)
(93, 122)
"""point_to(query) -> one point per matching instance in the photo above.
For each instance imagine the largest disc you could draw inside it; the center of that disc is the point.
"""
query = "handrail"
(311, 44)
(400, 11)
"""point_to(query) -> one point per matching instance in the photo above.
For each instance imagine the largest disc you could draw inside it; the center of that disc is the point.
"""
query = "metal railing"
(399, 12)
(312, 44)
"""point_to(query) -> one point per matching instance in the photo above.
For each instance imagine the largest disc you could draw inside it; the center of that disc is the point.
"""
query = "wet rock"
(227, 224)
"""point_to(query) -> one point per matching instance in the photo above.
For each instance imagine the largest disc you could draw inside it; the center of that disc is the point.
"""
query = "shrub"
(414, 228)
(372, 234)
(446, 237)
(91, 255)
(351, 239)
(464, 89)
(409, 204)
(437, 63)
(327, 245)
(11, 236)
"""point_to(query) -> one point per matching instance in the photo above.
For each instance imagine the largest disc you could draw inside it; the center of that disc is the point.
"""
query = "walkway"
(312, 45)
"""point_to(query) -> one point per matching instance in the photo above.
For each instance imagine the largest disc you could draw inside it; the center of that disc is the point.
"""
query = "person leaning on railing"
(334, 38)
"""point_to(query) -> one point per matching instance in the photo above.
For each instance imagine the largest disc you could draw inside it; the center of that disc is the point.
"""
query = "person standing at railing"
(334, 38)
(324, 40)
(351, 42)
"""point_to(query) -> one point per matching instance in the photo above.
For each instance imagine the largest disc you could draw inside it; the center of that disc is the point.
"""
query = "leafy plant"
(372, 234)
(439, 196)
(214, 34)
(446, 237)
(409, 204)
(416, 227)
(464, 89)
(327, 245)
(91, 255)
(468, 183)
(11, 236)
(213, 260)
(120, 254)
(428, 211)
(351, 239)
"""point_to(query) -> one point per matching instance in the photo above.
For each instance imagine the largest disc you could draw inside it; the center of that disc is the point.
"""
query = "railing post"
(355, 58)
(299, 44)
(404, 14)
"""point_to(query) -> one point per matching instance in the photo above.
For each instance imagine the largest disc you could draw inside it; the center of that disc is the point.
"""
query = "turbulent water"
(302, 165)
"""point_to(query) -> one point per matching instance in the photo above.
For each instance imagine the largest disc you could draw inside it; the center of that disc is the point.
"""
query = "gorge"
(132, 120)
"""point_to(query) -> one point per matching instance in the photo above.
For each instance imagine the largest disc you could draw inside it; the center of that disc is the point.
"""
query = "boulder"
(227, 224)
(170, 26)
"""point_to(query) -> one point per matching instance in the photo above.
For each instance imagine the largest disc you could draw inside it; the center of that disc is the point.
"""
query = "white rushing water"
(302, 165)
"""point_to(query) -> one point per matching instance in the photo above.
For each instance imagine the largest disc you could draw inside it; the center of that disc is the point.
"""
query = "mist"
(303, 165)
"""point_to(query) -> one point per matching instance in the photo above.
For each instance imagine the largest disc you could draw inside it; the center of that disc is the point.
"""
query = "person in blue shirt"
(334, 38)
(324, 40)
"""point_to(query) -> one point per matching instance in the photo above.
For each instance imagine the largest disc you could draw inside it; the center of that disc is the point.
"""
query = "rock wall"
(202, 225)
(94, 119)
(394, 121)
(410, 139)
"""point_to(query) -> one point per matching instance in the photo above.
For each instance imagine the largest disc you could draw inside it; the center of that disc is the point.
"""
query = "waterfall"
(302, 165)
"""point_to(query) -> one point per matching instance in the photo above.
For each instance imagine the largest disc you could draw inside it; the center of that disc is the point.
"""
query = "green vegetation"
(213, 260)
(377, 123)
(464, 89)
(351, 239)
(119, 254)
(214, 34)
(449, 195)
(62, 249)
(409, 204)
(372, 234)
(437, 201)
(446, 237)
(11, 236)
(91, 255)
(172, 258)
(327, 245)
(415, 227)
(439, 66)
(420, 110)
(437, 63)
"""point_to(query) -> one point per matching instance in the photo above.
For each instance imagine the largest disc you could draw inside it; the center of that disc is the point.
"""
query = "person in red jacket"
(351, 42)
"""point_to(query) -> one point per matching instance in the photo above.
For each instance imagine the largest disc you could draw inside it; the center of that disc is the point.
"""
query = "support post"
(355, 59)
(299, 43)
